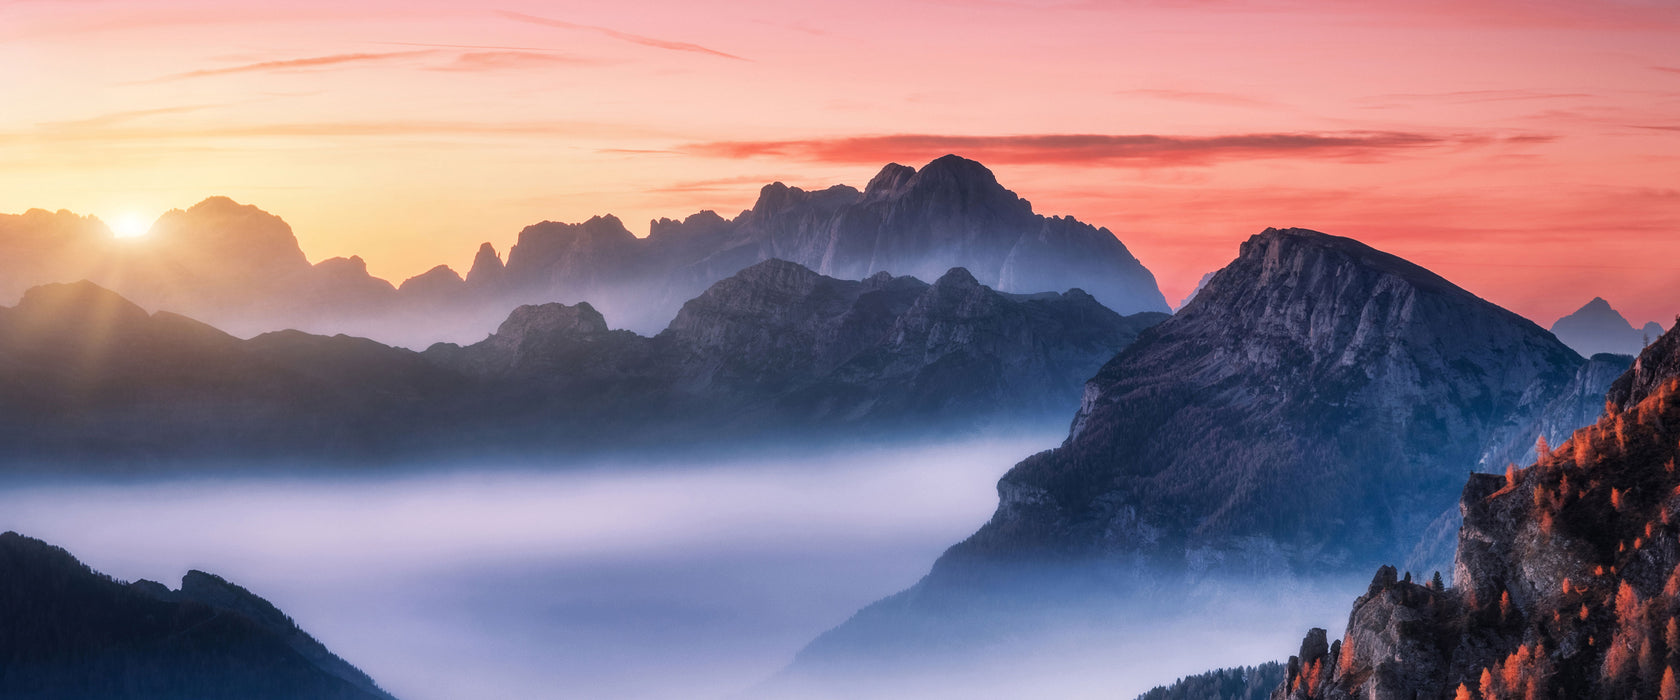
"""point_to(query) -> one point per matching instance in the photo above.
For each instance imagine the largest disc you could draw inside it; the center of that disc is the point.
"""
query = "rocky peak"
(891, 179)
(532, 322)
(957, 278)
(486, 267)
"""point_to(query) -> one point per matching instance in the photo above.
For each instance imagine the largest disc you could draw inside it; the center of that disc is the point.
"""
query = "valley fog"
(618, 578)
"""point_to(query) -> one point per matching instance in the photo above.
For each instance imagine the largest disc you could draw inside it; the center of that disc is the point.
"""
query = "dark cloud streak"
(1121, 149)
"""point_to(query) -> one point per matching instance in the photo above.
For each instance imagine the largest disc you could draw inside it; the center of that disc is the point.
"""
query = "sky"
(1529, 151)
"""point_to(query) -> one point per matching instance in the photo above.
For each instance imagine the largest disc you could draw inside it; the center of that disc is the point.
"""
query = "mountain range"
(1598, 328)
(72, 633)
(1309, 412)
(1566, 581)
(241, 269)
(775, 352)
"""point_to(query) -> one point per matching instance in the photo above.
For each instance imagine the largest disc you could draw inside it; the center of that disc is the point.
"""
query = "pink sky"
(1529, 151)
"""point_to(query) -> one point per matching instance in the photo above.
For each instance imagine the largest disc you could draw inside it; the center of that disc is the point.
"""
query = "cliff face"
(1309, 412)
(1310, 360)
(1565, 582)
(73, 633)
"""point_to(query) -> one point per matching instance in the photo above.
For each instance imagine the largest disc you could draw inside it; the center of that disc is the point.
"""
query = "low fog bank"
(1110, 645)
(616, 578)
(637, 578)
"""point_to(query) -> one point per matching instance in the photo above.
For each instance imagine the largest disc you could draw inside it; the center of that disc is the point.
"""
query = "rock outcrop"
(71, 632)
(1565, 582)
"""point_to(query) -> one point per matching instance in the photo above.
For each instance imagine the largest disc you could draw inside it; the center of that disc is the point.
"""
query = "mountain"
(71, 632)
(776, 352)
(780, 346)
(1566, 581)
(1597, 328)
(1310, 411)
(88, 375)
(241, 269)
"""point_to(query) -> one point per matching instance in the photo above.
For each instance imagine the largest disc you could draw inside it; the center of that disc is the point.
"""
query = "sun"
(130, 225)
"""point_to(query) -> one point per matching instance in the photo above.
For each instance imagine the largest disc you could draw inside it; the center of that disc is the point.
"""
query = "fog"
(612, 579)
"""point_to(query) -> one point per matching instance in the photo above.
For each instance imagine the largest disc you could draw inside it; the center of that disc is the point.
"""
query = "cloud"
(1129, 149)
(476, 61)
(621, 36)
(296, 63)
(115, 133)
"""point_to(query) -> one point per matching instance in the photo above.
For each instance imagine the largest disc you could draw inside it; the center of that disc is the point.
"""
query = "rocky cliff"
(1565, 582)
(1309, 412)
(71, 632)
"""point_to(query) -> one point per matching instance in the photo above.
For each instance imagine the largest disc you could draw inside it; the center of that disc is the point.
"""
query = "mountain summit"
(1310, 410)
(1598, 328)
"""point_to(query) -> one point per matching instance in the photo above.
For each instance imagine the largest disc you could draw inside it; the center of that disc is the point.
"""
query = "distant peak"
(956, 278)
(581, 319)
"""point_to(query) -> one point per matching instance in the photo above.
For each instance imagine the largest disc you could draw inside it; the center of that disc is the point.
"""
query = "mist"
(616, 578)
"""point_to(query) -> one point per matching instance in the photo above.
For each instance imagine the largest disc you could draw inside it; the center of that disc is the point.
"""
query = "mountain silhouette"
(776, 352)
(240, 269)
(71, 632)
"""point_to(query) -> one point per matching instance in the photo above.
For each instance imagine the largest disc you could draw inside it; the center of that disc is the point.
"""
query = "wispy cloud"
(1136, 149)
(116, 133)
(298, 63)
(621, 36)
(1666, 69)
(479, 61)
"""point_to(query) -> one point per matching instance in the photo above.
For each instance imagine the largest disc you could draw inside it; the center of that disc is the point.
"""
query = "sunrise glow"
(1526, 150)
(130, 225)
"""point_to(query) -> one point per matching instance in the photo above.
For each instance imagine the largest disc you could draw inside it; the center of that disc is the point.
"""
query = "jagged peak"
(892, 177)
(486, 265)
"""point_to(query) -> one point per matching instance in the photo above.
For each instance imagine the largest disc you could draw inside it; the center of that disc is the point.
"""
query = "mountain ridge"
(240, 268)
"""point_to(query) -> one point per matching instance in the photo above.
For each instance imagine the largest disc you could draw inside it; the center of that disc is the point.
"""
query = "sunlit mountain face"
(794, 351)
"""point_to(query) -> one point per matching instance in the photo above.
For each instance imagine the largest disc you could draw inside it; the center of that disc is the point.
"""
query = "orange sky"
(1529, 151)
